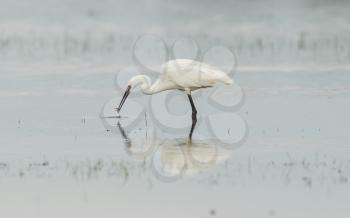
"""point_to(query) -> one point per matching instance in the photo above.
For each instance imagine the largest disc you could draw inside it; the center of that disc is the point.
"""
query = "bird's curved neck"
(156, 87)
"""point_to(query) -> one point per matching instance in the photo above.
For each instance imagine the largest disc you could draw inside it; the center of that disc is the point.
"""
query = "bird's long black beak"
(127, 92)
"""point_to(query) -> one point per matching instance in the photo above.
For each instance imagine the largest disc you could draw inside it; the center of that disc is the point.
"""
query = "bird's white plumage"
(192, 74)
(183, 74)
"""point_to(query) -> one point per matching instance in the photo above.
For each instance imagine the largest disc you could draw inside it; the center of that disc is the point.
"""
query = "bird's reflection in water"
(172, 159)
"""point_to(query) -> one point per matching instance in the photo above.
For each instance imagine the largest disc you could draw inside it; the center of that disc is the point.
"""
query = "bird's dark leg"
(194, 115)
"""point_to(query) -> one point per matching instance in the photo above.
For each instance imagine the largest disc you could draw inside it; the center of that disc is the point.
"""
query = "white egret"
(182, 74)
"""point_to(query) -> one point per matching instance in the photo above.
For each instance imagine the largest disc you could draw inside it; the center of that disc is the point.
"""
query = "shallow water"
(59, 158)
(274, 145)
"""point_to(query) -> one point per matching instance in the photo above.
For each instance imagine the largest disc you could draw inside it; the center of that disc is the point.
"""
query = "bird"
(182, 74)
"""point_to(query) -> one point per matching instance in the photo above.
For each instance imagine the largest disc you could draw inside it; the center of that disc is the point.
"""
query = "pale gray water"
(60, 160)
(58, 71)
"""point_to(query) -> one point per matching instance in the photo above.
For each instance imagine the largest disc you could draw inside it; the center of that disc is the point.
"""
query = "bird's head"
(135, 81)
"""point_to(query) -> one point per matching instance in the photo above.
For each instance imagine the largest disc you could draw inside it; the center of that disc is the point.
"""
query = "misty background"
(292, 33)
(60, 61)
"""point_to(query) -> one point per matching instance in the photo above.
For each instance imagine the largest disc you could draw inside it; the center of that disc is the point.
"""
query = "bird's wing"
(182, 72)
(193, 74)
(211, 74)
